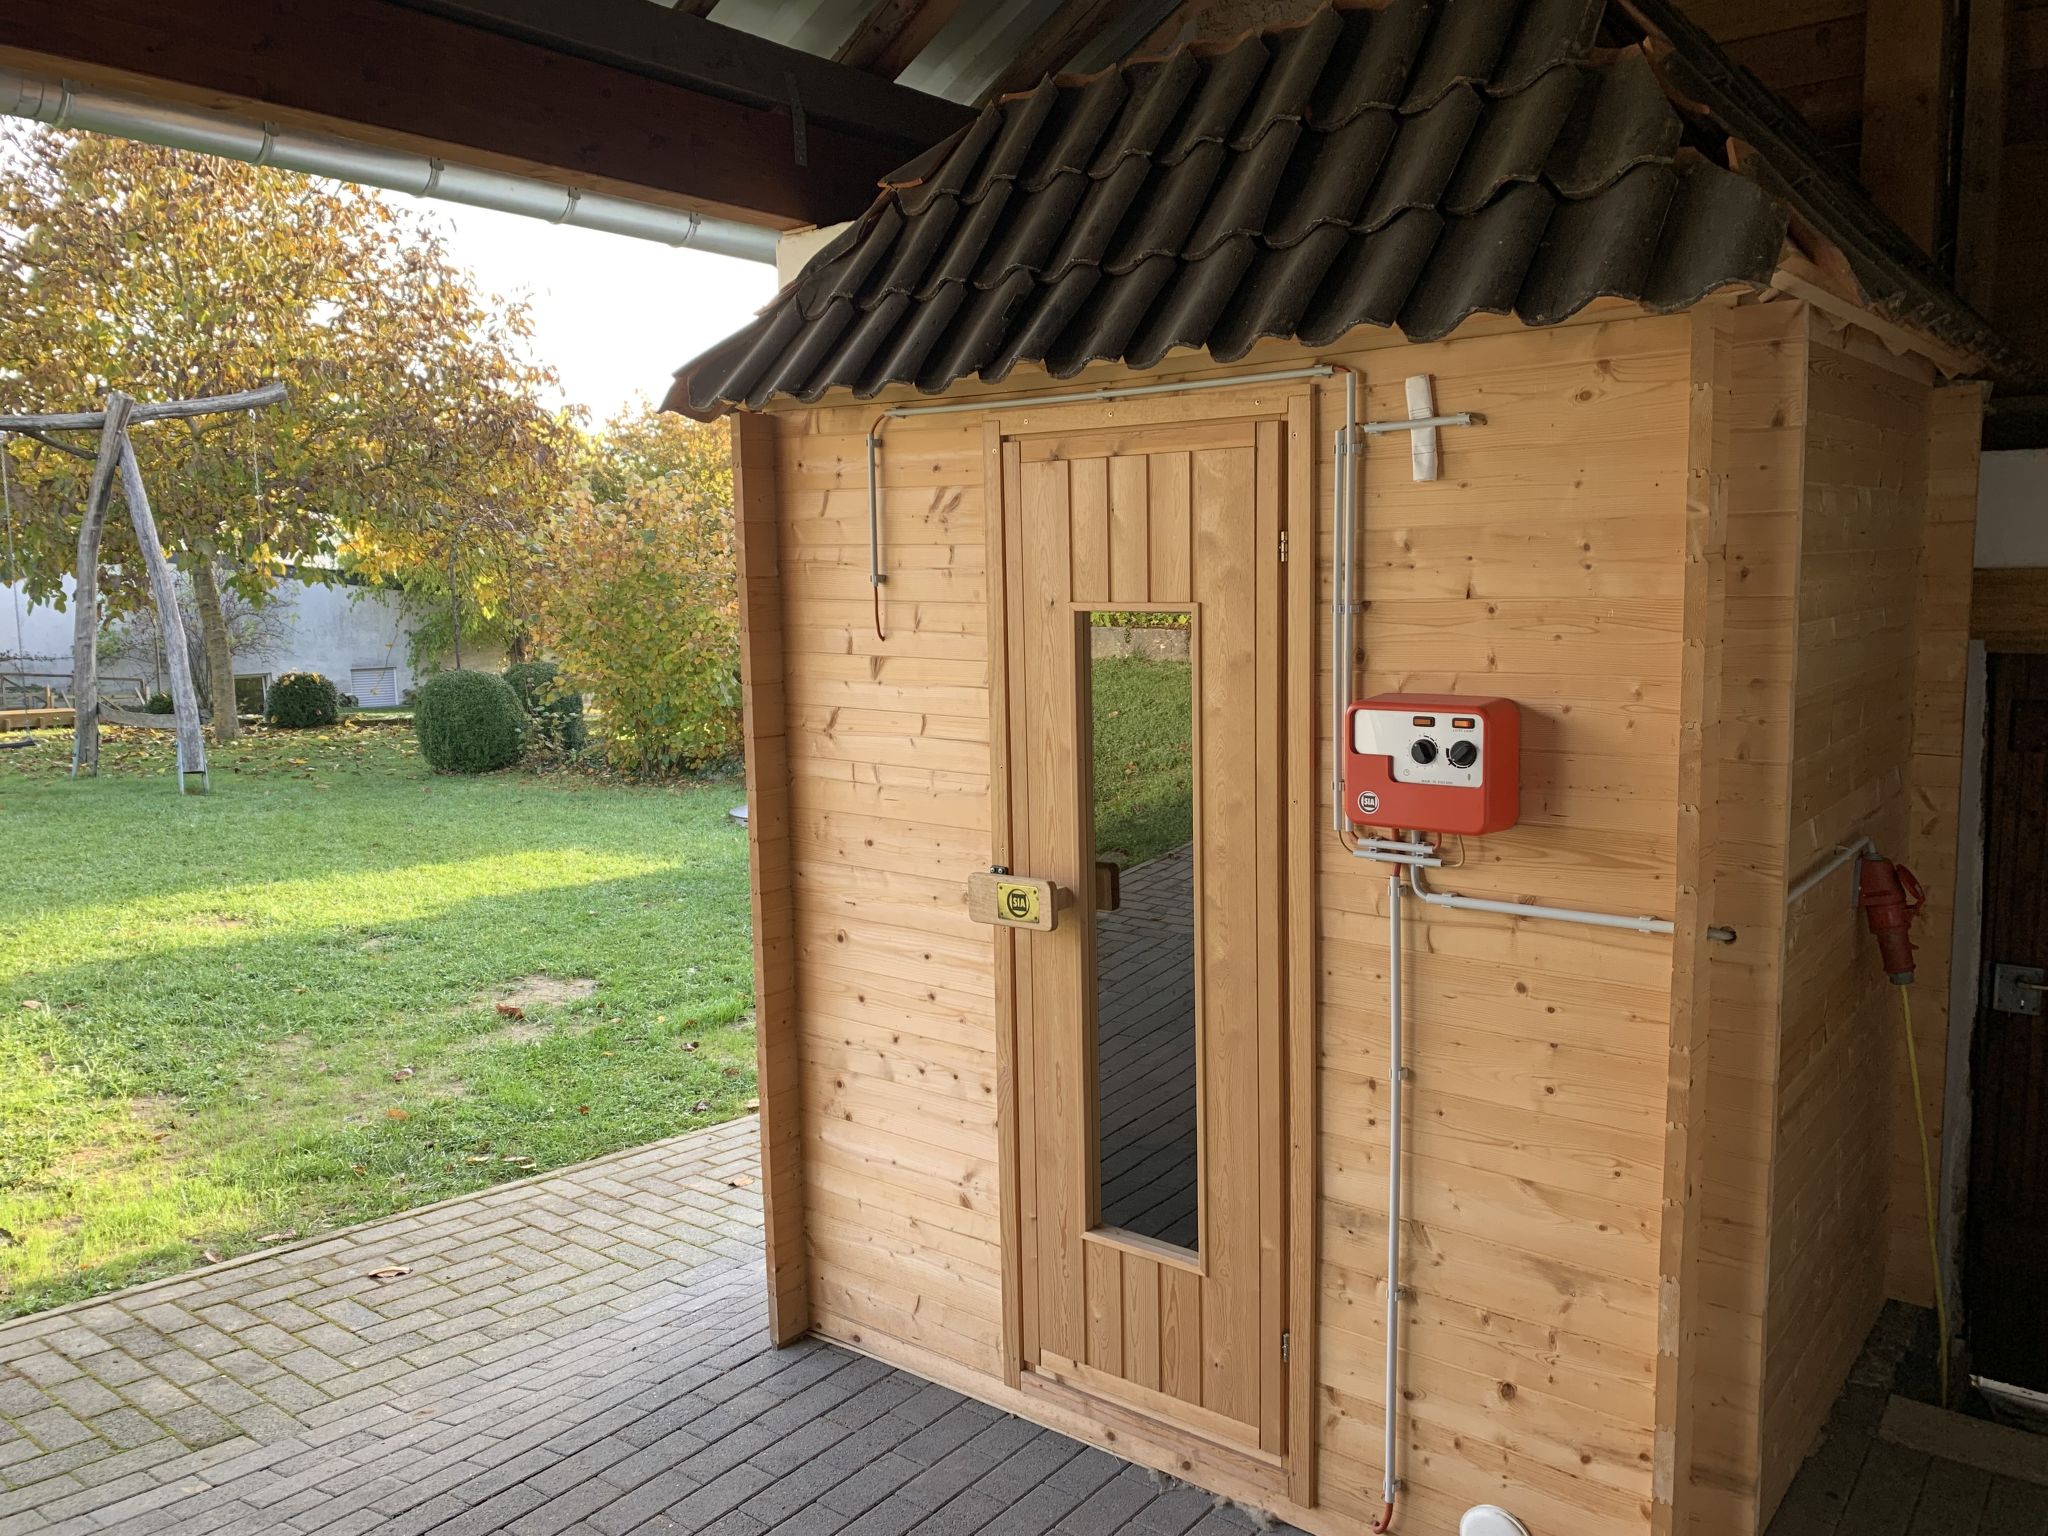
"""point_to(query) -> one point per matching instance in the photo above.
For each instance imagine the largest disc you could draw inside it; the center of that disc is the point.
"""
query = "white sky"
(614, 317)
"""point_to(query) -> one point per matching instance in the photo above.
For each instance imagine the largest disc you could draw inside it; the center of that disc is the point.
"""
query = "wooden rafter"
(893, 33)
(662, 106)
(1065, 33)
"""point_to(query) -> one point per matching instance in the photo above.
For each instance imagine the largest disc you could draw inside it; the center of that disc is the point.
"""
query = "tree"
(413, 407)
(636, 594)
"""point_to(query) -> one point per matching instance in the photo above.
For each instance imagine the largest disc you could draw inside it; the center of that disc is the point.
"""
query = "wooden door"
(1154, 1254)
(2006, 1257)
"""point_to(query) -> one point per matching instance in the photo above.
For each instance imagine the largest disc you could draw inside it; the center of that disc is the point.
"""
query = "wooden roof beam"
(1906, 114)
(893, 33)
(608, 95)
(1065, 33)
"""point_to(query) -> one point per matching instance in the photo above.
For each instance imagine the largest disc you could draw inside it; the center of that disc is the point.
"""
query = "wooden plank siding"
(1890, 476)
(1647, 543)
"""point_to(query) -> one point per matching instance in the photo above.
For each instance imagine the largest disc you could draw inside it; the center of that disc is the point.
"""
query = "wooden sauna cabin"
(1105, 1140)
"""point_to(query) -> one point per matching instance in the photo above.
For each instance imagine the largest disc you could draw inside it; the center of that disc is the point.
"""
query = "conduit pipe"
(1863, 847)
(62, 104)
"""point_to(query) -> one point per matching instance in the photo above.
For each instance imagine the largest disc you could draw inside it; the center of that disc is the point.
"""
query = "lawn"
(339, 986)
(1144, 757)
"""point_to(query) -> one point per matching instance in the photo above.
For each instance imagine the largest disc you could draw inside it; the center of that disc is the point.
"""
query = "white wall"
(2012, 509)
(330, 630)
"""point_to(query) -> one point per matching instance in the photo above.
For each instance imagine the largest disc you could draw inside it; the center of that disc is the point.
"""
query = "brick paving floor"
(583, 1353)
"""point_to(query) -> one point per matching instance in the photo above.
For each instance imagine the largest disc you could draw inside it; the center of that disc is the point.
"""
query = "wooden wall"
(888, 813)
(1865, 480)
(1884, 572)
(1549, 564)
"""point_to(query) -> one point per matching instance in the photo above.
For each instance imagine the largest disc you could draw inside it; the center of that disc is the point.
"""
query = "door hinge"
(1283, 546)
(1286, 1346)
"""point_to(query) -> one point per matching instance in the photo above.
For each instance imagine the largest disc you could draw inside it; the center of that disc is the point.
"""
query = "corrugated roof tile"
(1411, 165)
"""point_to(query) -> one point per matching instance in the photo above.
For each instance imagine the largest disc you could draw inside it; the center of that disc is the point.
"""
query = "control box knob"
(1423, 750)
(1463, 754)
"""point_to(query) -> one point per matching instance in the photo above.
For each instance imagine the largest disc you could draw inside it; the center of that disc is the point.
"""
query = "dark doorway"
(2005, 1274)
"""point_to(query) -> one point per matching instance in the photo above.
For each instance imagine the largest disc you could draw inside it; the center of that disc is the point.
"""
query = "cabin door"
(1143, 679)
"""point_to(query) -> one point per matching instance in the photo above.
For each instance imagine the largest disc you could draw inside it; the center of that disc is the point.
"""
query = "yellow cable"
(1927, 1188)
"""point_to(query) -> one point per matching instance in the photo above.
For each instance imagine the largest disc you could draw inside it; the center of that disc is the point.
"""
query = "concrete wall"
(2012, 510)
(331, 630)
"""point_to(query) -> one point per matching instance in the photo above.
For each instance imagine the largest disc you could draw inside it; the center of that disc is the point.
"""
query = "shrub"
(159, 704)
(299, 701)
(468, 722)
(638, 598)
(556, 708)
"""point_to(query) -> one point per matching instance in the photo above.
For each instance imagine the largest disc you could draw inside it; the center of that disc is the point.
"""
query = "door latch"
(2019, 989)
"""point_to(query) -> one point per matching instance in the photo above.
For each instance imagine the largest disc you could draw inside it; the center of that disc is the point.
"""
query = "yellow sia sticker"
(1017, 903)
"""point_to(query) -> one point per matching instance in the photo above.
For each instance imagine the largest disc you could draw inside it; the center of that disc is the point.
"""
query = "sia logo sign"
(1019, 903)
(1368, 803)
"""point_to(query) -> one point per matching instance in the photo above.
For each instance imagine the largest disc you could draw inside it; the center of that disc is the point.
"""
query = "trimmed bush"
(556, 708)
(468, 722)
(159, 704)
(300, 701)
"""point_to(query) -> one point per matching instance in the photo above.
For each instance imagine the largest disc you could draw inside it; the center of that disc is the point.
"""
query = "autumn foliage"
(635, 595)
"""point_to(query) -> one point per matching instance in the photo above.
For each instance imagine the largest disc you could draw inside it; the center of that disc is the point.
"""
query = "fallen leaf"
(358, 1168)
(391, 1272)
(702, 1107)
(486, 1158)
(689, 1045)
(278, 1237)
(31, 1003)
(209, 1255)
(753, 1103)
(582, 1109)
(744, 1181)
(511, 1011)
(517, 1162)
(395, 1113)
(401, 1074)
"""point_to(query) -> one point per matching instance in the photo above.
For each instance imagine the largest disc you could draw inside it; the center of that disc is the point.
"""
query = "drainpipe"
(62, 104)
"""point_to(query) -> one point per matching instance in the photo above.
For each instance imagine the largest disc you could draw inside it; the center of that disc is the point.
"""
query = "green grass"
(274, 1009)
(1144, 757)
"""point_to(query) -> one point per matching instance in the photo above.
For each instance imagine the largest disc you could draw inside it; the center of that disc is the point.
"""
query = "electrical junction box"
(1433, 762)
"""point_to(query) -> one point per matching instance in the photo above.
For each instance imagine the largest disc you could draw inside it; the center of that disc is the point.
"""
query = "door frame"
(1291, 1474)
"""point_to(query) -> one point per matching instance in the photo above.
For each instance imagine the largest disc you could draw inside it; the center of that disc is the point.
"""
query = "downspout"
(61, 104)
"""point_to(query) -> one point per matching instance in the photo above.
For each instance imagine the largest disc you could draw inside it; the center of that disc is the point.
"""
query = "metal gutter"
(62, 104)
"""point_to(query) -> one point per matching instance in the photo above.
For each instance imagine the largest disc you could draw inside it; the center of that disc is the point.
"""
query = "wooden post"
(767, 746)
(85, 621)
(163, 587)
(1709, 454)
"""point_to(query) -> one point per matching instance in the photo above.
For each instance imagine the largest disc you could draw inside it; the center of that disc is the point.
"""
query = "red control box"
(1433, 762)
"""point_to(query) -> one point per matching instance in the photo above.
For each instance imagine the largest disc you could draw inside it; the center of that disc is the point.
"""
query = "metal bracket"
(799, 130)
(2019, 989)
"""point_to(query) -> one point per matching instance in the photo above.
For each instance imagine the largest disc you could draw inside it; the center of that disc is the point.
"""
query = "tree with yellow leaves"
(416, 445)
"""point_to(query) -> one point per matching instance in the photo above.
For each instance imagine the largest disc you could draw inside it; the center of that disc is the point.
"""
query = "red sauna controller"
(1433, 762)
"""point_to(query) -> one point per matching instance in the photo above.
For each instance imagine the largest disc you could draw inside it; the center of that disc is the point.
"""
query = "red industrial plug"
(1890, 898)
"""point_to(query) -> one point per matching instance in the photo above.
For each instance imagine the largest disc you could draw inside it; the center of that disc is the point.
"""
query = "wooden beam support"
(1709, 454)
(893, 33)
(689, 51)
(1985, 73)
(1905, 113)
(780, 1072)
(689, 132)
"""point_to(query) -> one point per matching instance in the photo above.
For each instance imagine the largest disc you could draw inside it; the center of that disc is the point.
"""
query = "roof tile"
(1410, 165)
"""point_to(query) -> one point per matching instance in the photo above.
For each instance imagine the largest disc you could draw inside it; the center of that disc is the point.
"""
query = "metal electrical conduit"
(62, 104)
